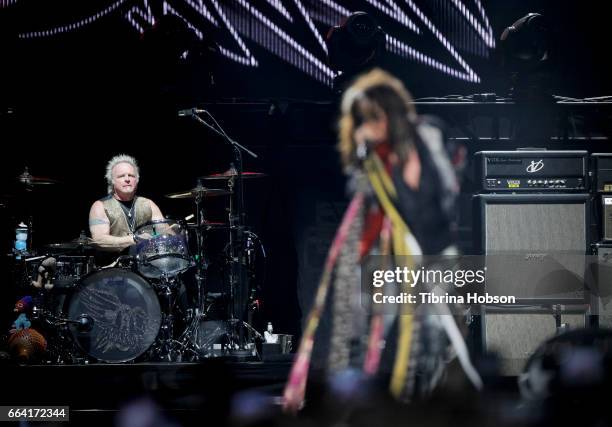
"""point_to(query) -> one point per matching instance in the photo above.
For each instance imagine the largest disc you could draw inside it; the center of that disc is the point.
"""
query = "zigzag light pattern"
(297, 55)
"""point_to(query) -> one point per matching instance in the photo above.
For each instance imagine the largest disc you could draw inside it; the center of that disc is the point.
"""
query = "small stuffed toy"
(46, 274)
(22, 322)
(23, 307)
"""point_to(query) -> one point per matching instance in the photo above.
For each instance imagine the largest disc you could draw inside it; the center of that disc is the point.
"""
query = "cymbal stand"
(187, 341)
(201, 263)
(238, 277)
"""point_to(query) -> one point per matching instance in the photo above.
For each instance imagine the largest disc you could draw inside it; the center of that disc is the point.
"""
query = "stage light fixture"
(526, 48)
(354, 46)
(526, 44)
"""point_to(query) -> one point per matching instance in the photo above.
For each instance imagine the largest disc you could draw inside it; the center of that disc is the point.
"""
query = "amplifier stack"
(532, 220)
(601, 190)
(601, 164)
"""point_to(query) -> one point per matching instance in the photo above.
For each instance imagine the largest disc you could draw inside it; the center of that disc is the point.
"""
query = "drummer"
(114, 219)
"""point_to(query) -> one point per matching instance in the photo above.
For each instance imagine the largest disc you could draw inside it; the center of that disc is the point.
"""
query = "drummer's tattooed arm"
(155, 212)
(99, 227)
(97, 221)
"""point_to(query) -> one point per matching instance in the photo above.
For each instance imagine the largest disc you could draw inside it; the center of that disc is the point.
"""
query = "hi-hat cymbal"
(231, 173)
(28, 179)
(78, 243)
(198, 192)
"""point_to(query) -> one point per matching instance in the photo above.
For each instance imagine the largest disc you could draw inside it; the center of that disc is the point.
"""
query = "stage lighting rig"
(354, 46)
(526, 56)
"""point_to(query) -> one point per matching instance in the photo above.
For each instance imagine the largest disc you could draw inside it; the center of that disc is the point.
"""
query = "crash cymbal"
(76, 244)
(28, 179)
(231, 173)
(198, 192)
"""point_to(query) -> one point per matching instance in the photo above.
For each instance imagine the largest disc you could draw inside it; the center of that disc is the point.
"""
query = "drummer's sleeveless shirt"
(121, 224)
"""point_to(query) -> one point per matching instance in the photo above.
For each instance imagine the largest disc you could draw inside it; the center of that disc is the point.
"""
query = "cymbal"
(213, 224)
(198, 192)
(231, 173)
(78, 243)
(29, 179)
(209, 225)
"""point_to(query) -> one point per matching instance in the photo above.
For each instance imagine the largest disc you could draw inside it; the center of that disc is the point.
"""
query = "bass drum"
(119, 314)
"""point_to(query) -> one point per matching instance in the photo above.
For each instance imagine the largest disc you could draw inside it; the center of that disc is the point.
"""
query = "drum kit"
(152, 304)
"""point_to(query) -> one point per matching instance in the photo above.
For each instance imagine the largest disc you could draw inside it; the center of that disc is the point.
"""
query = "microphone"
(363, 149)
(190, 112)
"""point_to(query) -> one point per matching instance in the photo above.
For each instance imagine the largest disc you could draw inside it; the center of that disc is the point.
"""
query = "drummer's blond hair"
(119, 158)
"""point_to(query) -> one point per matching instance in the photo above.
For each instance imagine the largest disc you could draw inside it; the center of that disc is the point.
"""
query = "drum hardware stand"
(61, 347)
(187, 340)
(238, 277)
(166, 348)
(201, 263)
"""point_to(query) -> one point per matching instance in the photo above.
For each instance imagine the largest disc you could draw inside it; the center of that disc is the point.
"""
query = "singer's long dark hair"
(366, 99)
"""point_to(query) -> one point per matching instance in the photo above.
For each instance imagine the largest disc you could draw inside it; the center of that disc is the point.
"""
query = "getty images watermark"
(474, 281)
(405, 277)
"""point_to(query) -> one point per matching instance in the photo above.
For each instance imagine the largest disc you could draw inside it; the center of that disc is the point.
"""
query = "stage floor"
(182, 389)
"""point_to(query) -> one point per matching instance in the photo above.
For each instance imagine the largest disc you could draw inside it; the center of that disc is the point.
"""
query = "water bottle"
(268, 335)
(21, 240)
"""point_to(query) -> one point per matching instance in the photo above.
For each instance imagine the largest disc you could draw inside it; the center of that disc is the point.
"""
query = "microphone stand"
(238, 277)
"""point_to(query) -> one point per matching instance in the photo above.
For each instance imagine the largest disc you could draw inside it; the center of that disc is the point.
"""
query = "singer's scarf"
(346, 289)
(400, 236)
(344, 256)
(296, 385)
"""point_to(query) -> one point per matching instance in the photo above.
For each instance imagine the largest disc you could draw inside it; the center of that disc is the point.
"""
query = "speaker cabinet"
(606, 213)
(601, 167)
(515, 335)
(602, 296)
(535, 247)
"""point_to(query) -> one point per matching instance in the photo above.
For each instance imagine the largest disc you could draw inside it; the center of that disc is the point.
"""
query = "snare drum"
(162, 249)
(119, 313)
